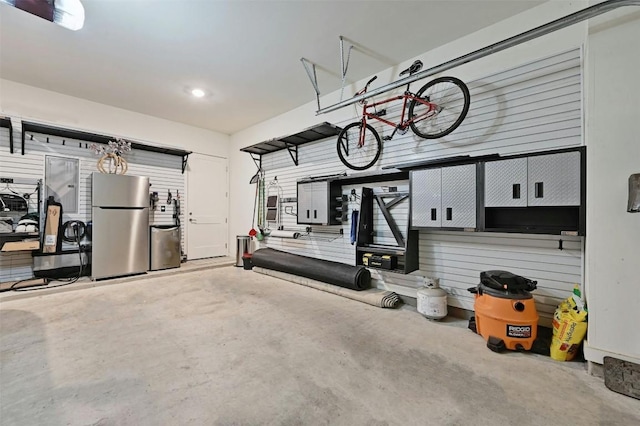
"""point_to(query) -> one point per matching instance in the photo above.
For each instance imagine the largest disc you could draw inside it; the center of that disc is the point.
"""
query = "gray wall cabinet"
(554, 179)
(541, 193)
(317, 202)
(540, 180)
(444, 197)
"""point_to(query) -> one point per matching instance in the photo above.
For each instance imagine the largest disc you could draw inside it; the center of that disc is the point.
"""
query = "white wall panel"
(613, 261)
(532, 107)
(164, 172)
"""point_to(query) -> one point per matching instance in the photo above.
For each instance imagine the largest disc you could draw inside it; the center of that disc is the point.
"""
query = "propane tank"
(432, 300)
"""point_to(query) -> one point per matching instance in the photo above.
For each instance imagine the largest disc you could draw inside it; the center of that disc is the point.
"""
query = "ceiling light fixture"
(198, 93)
(66, 13)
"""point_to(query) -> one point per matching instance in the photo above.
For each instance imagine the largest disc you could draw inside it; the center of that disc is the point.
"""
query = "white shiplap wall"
(164, 172)
(532, 107)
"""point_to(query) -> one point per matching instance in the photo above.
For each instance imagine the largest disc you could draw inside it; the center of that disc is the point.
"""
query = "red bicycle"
(436, 110)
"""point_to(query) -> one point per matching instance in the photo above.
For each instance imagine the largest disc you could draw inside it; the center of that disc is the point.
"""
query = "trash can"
(247, 260)
(243, 245)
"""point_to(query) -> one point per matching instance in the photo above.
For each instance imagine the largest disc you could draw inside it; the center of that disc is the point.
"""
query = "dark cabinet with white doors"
(536, 193)
(444, 197)
(539, 193)
(317, 202)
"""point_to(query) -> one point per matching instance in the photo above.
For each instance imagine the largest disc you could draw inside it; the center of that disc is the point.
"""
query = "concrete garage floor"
(231, 347)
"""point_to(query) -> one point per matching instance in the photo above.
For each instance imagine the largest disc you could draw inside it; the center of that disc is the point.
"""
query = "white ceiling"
(143, 55)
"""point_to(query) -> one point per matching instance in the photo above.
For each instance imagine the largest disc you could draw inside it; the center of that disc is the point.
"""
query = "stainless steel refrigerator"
(120, 230)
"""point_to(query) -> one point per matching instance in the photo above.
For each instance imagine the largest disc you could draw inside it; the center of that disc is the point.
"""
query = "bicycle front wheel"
(352, 153)
(443, 104)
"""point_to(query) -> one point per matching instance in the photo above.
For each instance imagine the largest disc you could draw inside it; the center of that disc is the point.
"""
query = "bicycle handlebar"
(366, 86)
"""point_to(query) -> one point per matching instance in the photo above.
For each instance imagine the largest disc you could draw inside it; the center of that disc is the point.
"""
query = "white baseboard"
(597, 355)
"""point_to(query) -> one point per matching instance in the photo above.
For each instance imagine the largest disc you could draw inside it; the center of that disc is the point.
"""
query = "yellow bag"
(569, 328)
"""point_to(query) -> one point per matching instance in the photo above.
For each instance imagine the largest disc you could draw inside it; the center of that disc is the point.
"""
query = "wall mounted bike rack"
(291, 142)
(29, 127)
(524, 37)
(310, 67)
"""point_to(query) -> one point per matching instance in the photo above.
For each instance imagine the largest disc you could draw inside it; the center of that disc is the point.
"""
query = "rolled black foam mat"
(347, 276)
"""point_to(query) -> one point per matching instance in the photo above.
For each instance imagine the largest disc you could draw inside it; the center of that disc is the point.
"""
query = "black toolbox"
(382, 261)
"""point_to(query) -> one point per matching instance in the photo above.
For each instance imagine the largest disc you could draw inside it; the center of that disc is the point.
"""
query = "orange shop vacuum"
(505, 312)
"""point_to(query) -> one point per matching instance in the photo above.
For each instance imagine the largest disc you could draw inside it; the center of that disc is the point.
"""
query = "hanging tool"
(176, 219)
(153, 200)
(261, 209)
(274, 199)
(257, 179)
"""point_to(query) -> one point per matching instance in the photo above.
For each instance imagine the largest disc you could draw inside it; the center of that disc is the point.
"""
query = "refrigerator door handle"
(122, 208)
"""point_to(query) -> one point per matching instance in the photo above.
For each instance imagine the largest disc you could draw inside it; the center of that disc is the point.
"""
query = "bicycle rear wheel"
(450, 97)
(359, 157)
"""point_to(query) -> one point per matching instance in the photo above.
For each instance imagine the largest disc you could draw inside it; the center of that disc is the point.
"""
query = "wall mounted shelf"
(446, 161)
(20, 241)
(385, 175)
(291, 142)
(95, 138)
(406, 248)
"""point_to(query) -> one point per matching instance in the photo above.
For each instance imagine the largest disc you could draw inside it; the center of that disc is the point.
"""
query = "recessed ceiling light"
(198, 93)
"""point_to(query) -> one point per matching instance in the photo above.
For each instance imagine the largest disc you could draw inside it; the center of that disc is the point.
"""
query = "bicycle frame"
(406, 98)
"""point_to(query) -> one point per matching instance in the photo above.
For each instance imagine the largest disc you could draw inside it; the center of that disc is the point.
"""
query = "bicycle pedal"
(386, 138)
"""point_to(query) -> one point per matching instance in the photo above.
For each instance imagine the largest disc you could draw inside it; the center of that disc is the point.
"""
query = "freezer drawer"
(120, 241)
(164, 247)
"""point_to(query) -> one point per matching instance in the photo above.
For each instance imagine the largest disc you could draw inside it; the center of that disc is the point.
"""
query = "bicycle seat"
(414, 68)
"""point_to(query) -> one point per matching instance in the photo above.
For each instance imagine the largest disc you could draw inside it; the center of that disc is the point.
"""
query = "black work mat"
(622, 376)
(347, 276)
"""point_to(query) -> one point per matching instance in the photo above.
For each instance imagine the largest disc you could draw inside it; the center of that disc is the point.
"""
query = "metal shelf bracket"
(184, 162)
(257, 160)
(293, 152)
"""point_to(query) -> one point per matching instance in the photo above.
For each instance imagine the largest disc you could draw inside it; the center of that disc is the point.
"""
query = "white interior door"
(208, 204)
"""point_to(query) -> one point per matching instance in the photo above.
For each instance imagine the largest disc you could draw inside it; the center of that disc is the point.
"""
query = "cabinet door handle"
(315, 214)
(449, 213)
(307, 214)
(516, 191)
(539, 189)
(434, 214)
